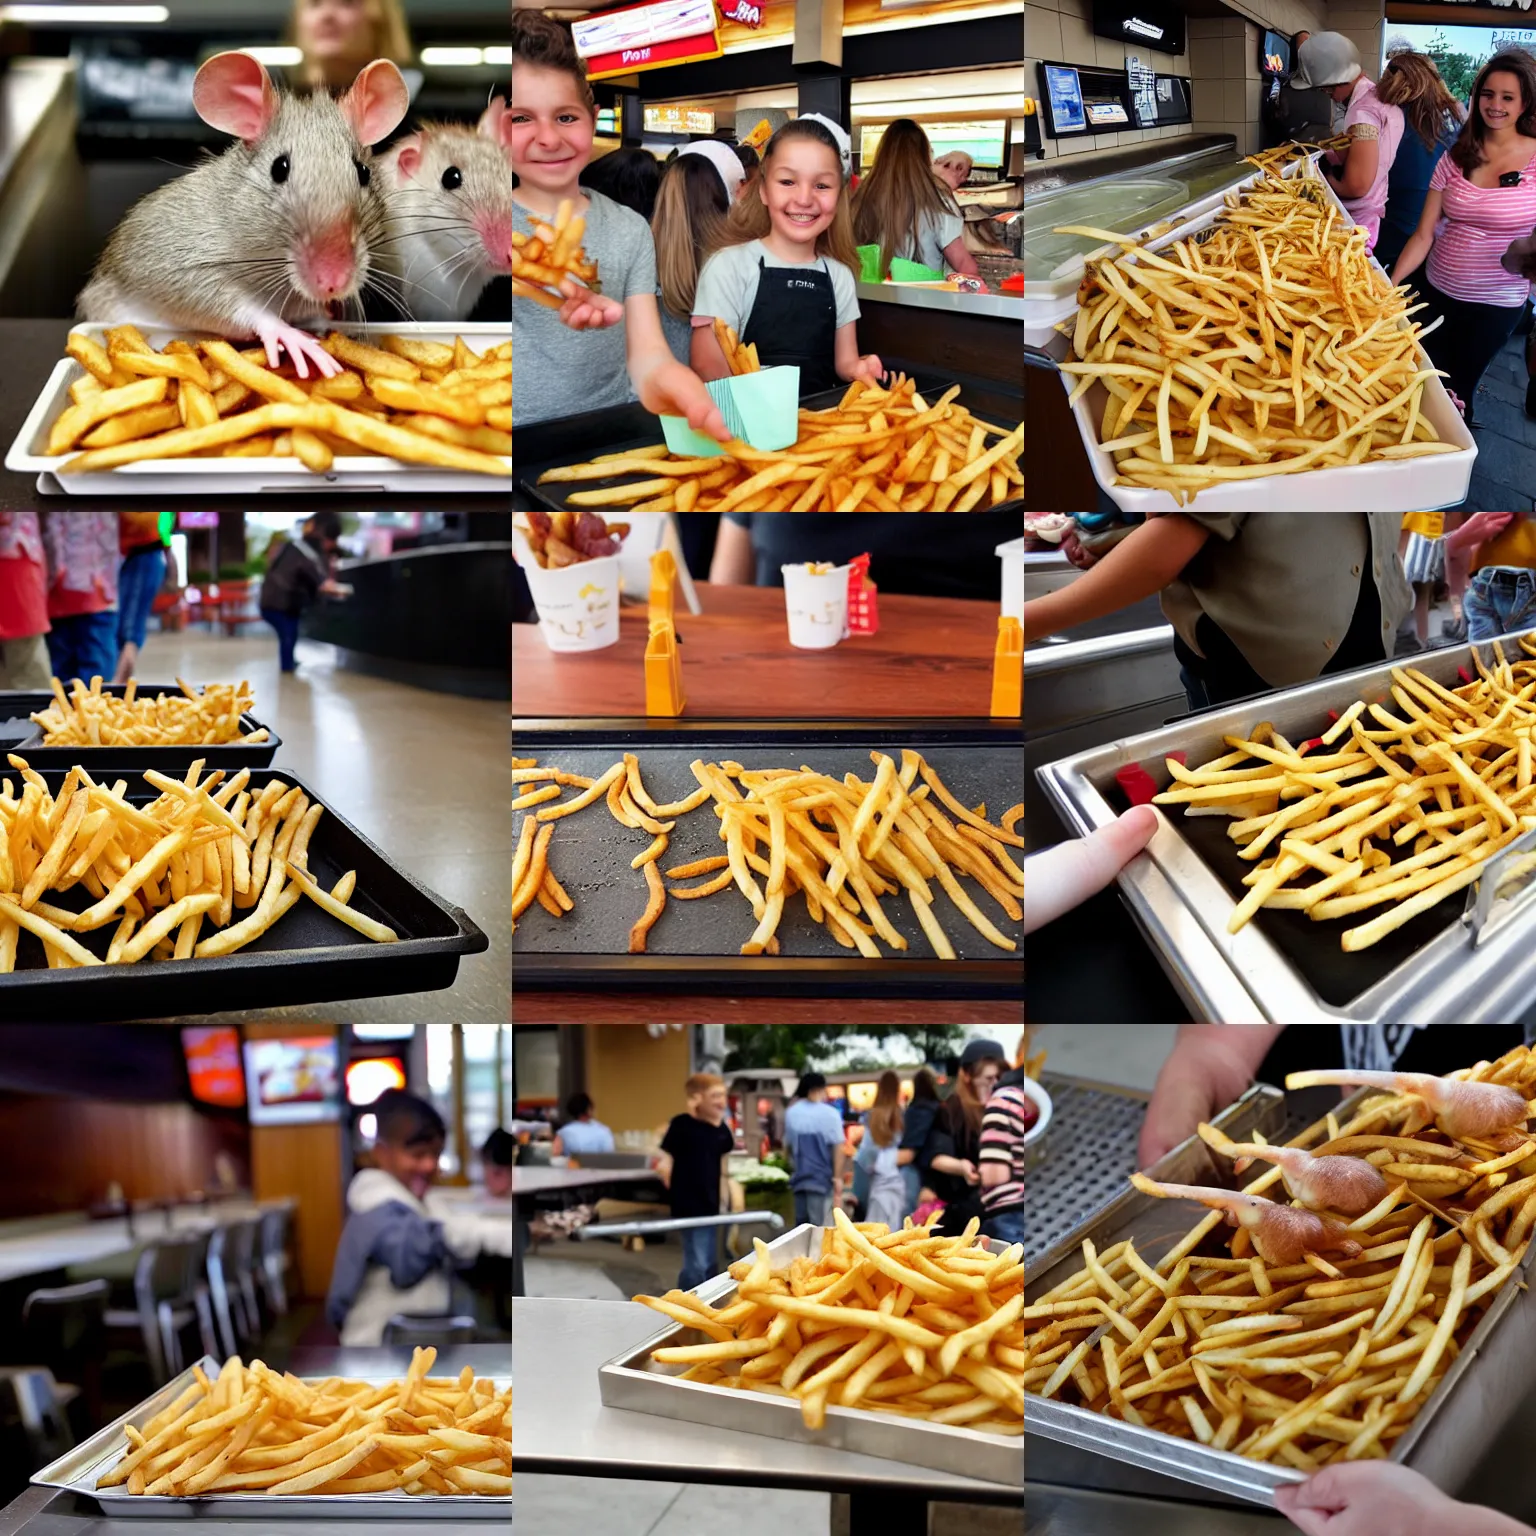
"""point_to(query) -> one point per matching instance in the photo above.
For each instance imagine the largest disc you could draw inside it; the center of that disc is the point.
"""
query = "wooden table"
(932, 656)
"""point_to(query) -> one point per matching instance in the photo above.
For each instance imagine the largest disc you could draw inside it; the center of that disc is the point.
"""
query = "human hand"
(868, 368)
(968, 1171)
(1381, 1498)
(1072, 548)
(584, 310)
(1061, 877)
(1209, 1067)
(673, 389)
(1482, 526)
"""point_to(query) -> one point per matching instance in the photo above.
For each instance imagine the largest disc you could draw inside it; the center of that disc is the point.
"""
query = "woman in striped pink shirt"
(1484, 189)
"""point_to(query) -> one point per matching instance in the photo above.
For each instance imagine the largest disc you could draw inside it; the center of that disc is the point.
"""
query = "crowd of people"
(768, 245)
(1445, 190)
(77, 590)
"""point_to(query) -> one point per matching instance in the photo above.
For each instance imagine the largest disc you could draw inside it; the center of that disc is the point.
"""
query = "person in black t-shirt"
(931, 554)
(691, 1152)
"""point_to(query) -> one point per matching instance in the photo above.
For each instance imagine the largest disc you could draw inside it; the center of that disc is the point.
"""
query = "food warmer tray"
(634, 1381)
(1282, 967)
(1483, 1388)
(77, 1471)
(695, 945)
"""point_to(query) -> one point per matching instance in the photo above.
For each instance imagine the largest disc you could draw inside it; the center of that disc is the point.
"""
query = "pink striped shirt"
(1479, 225)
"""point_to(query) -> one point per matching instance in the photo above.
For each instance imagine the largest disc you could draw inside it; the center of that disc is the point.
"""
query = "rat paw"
(300, 346)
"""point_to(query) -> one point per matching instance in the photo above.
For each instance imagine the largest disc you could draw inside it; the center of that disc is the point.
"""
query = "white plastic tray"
(1429, 483)
(241, 477)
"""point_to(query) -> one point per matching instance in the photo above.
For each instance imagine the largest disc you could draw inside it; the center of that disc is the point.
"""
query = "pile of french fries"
(1314, 1363)
(87, 717)
(420, 402)
(253, 1430)
(162, 872)
(1268, 345)
(843, 843)
(552, 253)
(886, 1322)
(1406, 810)
(879, 450)
(738, 358)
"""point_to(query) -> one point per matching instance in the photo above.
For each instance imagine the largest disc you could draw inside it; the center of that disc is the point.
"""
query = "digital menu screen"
(293, 1080)
(213, 1065)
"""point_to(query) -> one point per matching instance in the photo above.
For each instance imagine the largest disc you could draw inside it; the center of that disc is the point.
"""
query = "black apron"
(794, 324)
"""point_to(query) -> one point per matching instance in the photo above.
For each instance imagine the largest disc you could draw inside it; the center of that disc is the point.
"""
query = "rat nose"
(328, 262)
(496, 236)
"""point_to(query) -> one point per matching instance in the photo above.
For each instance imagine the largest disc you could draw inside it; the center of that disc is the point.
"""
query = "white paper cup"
(578, 604)
(817, 606)
(1012, 556)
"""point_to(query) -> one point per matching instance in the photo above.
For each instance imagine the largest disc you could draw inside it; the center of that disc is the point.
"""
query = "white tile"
(1234, 103)
(1082, 9)
(557, 1506)
(1233, 57)
(1078, 44)
(1042, 38)
(1109, 54)
(1205, 62)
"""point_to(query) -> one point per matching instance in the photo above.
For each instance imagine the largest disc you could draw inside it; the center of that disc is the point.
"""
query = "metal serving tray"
(1282, 967)
(77, 1472)
(18, 734)
(236, 476)
(1444, 1442)
(633, 1380)
(695, 945)
(308, 956)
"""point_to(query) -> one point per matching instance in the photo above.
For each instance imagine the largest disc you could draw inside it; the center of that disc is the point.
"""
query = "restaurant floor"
(1504, 474)
(421, 774)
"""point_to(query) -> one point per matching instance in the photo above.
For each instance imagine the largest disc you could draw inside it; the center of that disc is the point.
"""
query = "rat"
(279, 228)
(449, 192)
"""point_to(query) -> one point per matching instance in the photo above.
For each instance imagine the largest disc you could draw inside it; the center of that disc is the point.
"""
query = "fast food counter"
(924, 329)
(46, 1512)
(30, 348)
(392, 625)
(560, 1426)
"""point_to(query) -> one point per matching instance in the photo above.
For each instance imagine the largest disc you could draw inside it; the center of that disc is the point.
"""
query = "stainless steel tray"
(77, 1471)
(1275, 970)
(633, 1380)
(1444, 1442)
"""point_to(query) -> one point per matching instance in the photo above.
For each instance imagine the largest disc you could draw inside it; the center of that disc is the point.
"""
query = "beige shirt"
(1283, 585)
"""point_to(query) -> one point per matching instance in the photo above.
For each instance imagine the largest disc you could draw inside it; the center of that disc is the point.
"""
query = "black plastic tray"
(621, 431)
(18, 734)
(308, 956)
(694, 946)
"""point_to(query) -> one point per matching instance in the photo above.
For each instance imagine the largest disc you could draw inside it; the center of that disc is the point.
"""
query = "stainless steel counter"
(997, 306)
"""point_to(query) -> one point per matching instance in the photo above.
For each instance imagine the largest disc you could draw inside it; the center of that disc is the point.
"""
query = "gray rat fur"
(219, 248)
(447, 243)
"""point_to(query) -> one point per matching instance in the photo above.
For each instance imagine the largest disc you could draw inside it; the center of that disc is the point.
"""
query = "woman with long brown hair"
(688, 224)
(1431, 117)
(950, 1156)
(338, 37)
(887, 1200)
(1484, 187)
(903, 207)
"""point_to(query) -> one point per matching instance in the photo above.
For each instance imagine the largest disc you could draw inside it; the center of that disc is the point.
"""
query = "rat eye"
(363, 173)
(453, 179)
(280, 168)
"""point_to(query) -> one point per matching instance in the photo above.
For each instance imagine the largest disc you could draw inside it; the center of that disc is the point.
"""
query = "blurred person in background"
(1432, 119)
(1001, 1160)
(752, 169)
(951, 1154)
(398, 1249)
(1309, 107)
(815, 1140)
(297, 574)
(23, 602)
(338, 37)
(688, 225)
(628, 176)
(1375, 129)
(880, 1152)
(82, 593)
(954, 169)
(692, 1150)
(496, 1164)
(1501, 549)
(141, 536)
(905, 208)
(917, 1122)
(582, 1131)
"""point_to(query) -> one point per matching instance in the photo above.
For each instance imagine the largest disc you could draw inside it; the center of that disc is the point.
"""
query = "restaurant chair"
(234, 1328)
(424, 1332)
(65, 1329)
(240, 1271)
(274, 1260)
(170, 1294)
(40, 1412)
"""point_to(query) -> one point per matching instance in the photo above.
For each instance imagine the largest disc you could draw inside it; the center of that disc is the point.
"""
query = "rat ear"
(496, 122)
(406, 154)
(375, 102)
(234, 93)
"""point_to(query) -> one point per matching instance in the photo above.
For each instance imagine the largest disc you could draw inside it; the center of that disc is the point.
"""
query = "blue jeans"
(1499, 599)
(698, 1256)
(138, 580)
(1005, 1226)
(813, 1206)
(287, 627)
(83, 646)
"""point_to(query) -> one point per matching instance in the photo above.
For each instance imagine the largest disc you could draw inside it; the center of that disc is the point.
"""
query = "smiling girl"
(784, 280)
(1484, 187)
(598, 349)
